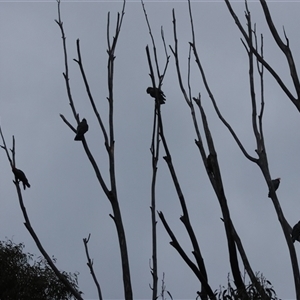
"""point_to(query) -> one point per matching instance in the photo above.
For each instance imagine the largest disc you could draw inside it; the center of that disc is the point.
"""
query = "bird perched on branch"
(82, 128)
(296, 232)
(275, 183)
(20, 176)
(156, 93)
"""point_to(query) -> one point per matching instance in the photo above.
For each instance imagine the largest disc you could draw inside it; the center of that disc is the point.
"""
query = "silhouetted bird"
(82, 128)
(157, 94)
(296, 232)
(276, 183)
(20, 176)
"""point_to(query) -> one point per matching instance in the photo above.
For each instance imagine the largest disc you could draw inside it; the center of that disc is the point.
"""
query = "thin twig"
(4, 147)
(251, 81)
(67, 122)
(66, 73)
(90, 265)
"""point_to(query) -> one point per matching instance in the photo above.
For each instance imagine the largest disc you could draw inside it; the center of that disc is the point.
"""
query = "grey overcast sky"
(65, 202)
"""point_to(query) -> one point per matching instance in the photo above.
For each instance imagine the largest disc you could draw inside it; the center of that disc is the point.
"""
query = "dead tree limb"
(295, 100)
(187, 260)
(111, 193)
(28, 226)
(185, 217)
(90, 265)
(211, 164)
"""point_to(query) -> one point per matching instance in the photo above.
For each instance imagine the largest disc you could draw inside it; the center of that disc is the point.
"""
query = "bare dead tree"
(210, 161)
(154, 149)
(27, 223)
(199, 270)
(214, 174)
(108, 134)
(262, 160)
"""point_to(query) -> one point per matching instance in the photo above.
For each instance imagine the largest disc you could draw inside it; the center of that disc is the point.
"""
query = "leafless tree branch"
(175, 53)
(284, 47)
(294, 100)
(155, 156)
(71, 102)
(211, 96)
(185, 217)
(5, 148)
(154, 149)
(28, 226)
(193, 267)
(261, 151)
(90, 265)
(97, 114)
(68, 123)
(210, 161)
(66, 73)
(113, 193)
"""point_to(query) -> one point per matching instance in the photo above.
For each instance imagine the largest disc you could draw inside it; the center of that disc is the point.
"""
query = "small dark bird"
(20, 176)
(275, 183)
(296, 232)
(82, 128)
(156, 93)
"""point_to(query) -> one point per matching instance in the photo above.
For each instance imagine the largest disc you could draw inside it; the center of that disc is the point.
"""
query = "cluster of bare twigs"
(284, 47)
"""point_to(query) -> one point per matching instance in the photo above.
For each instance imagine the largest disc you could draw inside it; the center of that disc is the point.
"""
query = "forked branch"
(154, 149)
(184, 256)
(111, 193)
(294, 100)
